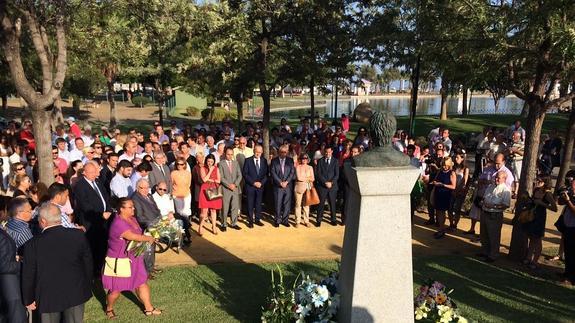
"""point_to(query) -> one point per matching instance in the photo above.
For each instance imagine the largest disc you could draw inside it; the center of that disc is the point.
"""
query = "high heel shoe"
(215, 230)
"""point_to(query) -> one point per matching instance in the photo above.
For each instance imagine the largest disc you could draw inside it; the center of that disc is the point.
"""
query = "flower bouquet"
(167, 230)
(306, 301)
(433, 304)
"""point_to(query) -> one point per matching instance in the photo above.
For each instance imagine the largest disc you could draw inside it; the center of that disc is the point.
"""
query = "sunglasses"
(180, 164)
(161, 189)
(20, 168)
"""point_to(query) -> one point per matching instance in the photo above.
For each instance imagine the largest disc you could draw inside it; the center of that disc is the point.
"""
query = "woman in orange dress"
(211, 179)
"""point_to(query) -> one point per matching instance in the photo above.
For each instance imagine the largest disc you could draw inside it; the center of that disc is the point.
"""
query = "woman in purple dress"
(445, 183)
(124, 229)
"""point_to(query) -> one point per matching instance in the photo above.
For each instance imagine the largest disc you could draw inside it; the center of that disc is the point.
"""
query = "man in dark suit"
(326, 176)
(92, 210)
(108, 171)
(255, 172)
(160, 172)
(147, 214)
(283, 173)
(56, 275)
(11, 307)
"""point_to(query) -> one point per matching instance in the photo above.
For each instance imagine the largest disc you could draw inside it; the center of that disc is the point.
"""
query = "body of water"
(400, 106)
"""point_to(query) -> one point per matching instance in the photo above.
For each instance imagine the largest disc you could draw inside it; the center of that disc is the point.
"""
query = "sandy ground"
(269, 244)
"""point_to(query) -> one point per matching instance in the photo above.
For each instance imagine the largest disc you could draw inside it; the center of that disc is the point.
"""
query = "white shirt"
(75, 154)
(496, 195)
(121, 186)
(64, 155)
(165, 203)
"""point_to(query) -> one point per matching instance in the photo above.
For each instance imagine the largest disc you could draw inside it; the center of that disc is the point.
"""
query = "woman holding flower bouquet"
(211, 179)
(125, 228)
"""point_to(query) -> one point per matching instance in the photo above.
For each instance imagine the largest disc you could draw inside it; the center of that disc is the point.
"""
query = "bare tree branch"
(40, 50)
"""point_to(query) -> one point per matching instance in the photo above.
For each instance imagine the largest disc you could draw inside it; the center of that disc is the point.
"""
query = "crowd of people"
(110, 186)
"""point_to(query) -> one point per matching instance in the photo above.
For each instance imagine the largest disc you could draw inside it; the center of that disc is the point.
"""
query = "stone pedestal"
(376, 276)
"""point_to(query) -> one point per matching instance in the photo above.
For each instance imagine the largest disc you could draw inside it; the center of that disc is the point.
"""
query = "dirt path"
(269, 244)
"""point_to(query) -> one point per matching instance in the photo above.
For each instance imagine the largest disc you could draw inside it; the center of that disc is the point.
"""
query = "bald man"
(92, 210)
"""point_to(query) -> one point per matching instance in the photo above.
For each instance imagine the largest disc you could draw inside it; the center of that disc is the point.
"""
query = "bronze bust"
(382, 126)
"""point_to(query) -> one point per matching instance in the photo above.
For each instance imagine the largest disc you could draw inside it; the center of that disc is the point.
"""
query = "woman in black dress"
(542, 199)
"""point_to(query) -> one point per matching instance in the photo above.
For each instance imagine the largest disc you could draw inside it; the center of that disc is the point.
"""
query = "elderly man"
(56, 275)
(230, 178)
(219, 153)
(165, 204)
(147, 214)
(255, 173)
(78, 152)
(18, 227)
(242, 151)
(130, 150)
(92, 209)
(496, 200)
(160, 172)
(121, 184)
(282, 171)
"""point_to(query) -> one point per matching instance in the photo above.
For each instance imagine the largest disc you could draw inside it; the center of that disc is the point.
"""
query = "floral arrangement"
(433, 304)
(306, 301)
(166, 229)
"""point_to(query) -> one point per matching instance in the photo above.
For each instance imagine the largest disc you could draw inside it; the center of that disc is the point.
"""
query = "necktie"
(162, 170)
(282, 162)
(99, 193)
(327, 161)
(258, 166)
(230, 166)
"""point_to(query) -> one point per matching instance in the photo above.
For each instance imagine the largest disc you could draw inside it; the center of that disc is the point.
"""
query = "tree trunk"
(240, 109)
(43, 144)
(496, 102)
(4, 102)
(414, 94)
(265, 93)
(335, 100)
(518, 246)
(111, 102)
(567, 150)
(312, 102)
(443, 91)
(469, 105)
(56, 117)
(525, 110)
(465, 110)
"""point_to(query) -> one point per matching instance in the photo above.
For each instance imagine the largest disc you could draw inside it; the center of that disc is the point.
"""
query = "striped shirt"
(19, 231)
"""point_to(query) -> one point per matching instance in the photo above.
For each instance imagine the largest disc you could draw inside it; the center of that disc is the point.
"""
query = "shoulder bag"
(118, 267)
(310, 196)
(215, 192)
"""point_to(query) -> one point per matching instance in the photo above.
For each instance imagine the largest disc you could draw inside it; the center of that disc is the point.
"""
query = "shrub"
(140, 101)
(219, 114)
(193, 112)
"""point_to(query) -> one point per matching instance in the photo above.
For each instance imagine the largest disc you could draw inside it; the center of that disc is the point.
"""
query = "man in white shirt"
(165, 204)
(130, 150)
(77, 153)
(121, 185)
(496, 200)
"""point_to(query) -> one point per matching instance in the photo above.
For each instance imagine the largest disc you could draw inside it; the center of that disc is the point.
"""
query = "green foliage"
(141, 101)
(192, 112)
(219, 114)
(280, 303)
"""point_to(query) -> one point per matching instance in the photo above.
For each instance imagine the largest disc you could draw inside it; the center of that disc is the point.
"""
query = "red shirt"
(75, 129)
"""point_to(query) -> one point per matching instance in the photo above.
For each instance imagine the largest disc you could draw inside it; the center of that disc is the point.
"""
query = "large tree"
(45, 23)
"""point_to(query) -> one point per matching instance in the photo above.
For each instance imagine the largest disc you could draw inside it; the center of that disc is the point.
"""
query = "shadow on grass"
(486, 292)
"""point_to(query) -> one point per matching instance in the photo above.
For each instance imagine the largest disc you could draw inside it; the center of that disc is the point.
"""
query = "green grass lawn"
(236, 292)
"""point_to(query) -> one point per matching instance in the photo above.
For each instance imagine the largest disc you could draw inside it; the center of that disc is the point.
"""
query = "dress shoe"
(285, 224)
(236, 227)
(224, 229)
(250, 225)
(276, 225)
(429, 222)
(318, 224)
(259, 223)
(334, 223)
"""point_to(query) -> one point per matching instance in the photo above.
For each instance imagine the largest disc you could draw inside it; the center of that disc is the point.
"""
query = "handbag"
(118, 267)
(526, 213)
(310, 196)
(214, 193)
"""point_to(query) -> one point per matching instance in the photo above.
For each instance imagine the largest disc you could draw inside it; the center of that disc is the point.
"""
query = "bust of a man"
(382, 126)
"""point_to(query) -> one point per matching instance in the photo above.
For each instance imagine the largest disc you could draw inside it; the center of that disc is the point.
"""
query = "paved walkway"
(269, 244)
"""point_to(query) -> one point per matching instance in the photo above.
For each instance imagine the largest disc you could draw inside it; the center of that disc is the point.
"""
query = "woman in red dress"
(211, 178)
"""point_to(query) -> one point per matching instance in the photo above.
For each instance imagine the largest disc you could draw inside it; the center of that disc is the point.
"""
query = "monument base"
(376, 275)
